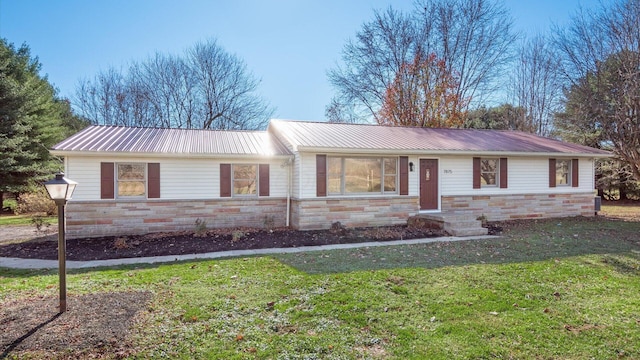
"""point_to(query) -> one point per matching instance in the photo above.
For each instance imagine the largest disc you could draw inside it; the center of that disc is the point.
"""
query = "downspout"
(289, 163)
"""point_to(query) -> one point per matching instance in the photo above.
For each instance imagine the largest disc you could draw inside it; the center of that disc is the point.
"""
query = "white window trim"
(233, 179)
(117, 181)
(569, 172)
(382, 175)
(489, 186)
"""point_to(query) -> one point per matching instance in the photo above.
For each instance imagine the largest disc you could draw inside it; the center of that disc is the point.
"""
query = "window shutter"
(263, 175)
(225, 180)
(503, 173)
(107, 180)
(476, 173)
(153, 180)
(552, 172)
(404, 175)
(575, 174)
(321, 175)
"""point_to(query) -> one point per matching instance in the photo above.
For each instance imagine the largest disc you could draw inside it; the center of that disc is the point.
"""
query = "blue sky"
(288, 44)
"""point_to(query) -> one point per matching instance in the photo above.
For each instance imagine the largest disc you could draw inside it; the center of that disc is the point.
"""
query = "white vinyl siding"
(527, 175)
(180, 179)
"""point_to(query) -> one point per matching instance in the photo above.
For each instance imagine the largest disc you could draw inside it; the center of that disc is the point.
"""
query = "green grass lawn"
(6, 220)
(553, 289)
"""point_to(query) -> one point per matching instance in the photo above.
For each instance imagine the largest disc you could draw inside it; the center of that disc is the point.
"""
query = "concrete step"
(462, 224)
(468, 231)
(456, 224)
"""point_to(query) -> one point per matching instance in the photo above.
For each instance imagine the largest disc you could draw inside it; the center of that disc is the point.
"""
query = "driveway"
(13, 233)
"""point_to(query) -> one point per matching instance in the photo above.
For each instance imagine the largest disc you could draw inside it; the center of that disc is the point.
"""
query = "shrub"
(41, 225)
(37, 202)
(9, 205)
(201, 227)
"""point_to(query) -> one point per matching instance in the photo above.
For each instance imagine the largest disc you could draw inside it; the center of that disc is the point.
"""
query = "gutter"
(427, 152)
(165, 155)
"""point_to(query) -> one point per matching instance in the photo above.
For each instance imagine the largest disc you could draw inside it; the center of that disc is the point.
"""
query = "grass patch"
(548, 289)
(24, 220)
(628, 211)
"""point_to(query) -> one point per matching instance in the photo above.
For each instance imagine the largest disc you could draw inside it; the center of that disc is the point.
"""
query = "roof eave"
(125, 154)
(446, 152)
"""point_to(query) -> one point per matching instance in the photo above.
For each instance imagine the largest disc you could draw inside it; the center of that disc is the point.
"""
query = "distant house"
(308, 175)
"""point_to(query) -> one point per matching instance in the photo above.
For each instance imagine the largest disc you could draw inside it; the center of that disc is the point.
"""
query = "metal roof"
(316, 136)
(118, 139)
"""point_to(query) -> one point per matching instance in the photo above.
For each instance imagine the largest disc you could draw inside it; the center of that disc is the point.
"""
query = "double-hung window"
(131, 179)
(563, 172)
(361, 175)
(489, 172)
(245, 180)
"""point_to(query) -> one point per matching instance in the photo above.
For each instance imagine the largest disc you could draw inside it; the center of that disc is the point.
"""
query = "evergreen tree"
(32, 120)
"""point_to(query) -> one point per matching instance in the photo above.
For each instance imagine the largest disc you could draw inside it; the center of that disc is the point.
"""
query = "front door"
(429, 184)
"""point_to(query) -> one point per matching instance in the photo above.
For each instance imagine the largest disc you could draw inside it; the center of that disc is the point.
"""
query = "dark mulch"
(178, 243)
(94, 324)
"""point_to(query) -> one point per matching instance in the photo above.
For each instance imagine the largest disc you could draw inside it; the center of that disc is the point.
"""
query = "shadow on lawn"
(525, 242)
(522, 241)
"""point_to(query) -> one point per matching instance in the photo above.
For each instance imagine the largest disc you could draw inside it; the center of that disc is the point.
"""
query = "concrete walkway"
(18, 263)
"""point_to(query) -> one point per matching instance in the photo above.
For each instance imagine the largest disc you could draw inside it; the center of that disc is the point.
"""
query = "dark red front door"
(429, 184)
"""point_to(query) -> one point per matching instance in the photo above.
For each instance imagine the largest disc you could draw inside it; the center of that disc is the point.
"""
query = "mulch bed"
(94, 325)
(178, 243)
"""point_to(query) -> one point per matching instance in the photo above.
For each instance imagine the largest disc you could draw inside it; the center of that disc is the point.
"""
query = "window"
(490, 173)
(563, 172)
(361, 175)
(245, 179)
(489, 170)
(132, 180)
(390, 174)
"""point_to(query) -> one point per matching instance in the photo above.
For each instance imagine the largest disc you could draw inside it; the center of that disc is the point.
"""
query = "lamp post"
(60, 190)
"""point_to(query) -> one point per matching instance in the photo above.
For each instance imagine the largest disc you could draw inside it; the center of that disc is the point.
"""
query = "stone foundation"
(312, 214)
(106, 218)
(525, 206)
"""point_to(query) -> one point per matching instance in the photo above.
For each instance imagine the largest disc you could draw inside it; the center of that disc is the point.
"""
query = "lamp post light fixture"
(60, 190)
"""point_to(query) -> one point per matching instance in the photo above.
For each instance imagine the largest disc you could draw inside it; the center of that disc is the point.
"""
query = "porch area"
(453, 222)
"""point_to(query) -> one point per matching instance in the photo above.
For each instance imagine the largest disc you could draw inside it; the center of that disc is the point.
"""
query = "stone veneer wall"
(125, 217)
(524, 206)
(312, 214)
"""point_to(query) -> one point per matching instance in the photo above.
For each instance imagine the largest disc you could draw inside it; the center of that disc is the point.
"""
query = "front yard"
(553, 289)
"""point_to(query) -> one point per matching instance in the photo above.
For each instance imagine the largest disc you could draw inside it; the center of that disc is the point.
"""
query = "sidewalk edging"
(19, 263)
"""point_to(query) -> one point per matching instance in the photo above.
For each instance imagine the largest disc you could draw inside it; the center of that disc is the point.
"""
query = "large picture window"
(132, 180)
(245, 179)
(361, 175)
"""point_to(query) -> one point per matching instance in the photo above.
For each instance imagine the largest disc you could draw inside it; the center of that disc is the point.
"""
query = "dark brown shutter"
(153, 180)
(225, 180)
(107, 188)
(404, 175)
(321, 175)
(552, 172)
(476, 173)
(574, 173)
(263, 175)
(503, 173)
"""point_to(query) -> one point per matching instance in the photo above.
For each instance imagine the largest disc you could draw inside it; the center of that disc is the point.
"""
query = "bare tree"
(601, 66)
(472, 37)
(535, 85)
(371, 62)
(206, 88)
(225, 90)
